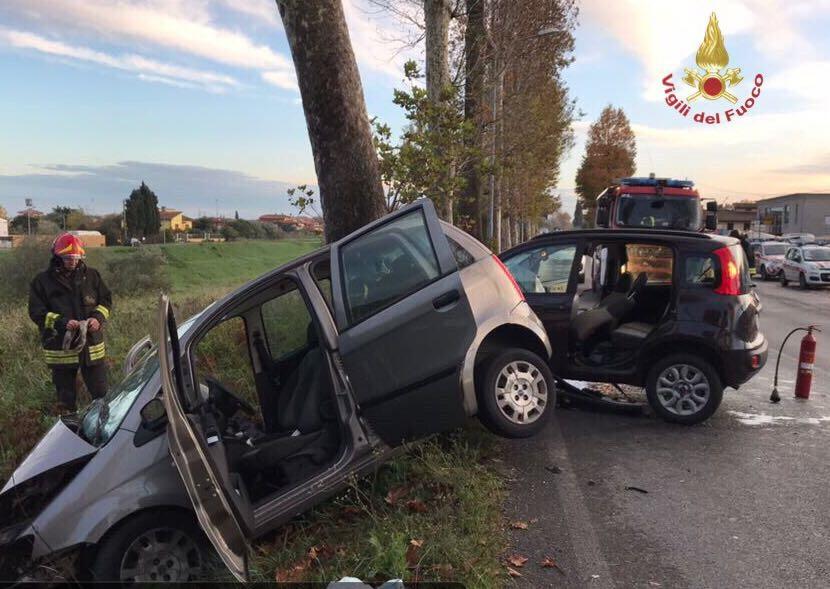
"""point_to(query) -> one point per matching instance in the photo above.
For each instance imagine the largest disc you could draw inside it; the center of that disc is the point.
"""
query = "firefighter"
(67, 302)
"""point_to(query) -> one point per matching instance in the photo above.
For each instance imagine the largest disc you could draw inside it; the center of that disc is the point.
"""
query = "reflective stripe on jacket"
(55, 298)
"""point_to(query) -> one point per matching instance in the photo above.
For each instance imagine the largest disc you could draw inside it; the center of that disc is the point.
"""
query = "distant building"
(291, 223)
(740, 216)
(795, 213)
(175, 221)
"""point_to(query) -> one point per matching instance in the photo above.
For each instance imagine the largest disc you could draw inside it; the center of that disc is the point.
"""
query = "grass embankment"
(432, 513)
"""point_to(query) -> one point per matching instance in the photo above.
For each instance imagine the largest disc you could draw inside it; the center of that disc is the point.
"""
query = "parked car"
(799, 238)
(769, 255)
(807, 264)
(272, 398)
(669, 310)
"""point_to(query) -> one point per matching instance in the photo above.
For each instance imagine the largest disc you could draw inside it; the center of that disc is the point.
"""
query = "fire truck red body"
(654, 203)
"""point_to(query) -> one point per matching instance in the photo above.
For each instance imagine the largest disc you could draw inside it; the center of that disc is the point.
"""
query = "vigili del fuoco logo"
(712, 80)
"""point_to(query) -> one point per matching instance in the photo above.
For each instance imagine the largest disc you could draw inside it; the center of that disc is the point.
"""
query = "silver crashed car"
(270, 399)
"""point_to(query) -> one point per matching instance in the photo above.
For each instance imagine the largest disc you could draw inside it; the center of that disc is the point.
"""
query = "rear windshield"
(775, 249)
(658, 212)
(817, 254)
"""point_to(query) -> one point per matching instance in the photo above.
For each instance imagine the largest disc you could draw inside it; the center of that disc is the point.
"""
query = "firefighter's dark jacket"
(56, 297)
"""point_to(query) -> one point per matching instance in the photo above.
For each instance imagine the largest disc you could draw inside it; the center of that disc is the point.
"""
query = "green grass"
(432, 513)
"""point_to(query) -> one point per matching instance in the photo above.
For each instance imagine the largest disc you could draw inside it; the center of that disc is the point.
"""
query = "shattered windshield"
(102, 418)
(658, 212)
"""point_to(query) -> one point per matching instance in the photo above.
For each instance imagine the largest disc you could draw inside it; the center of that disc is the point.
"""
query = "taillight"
(730, 276)
(510, 276)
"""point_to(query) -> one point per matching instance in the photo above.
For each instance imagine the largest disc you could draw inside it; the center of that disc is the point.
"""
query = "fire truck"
(654, 203)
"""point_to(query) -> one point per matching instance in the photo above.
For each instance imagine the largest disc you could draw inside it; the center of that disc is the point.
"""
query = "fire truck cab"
(654, 203)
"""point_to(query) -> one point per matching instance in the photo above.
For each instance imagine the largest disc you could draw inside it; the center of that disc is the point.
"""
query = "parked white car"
(808, 264)
(769, 256)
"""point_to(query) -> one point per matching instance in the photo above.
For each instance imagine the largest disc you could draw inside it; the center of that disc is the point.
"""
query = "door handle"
(446, 299)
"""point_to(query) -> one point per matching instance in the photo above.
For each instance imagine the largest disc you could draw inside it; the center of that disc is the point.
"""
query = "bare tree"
(351, 192)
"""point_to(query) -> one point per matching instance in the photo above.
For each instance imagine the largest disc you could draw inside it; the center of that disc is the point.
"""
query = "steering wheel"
(238, 402)
(637, 286)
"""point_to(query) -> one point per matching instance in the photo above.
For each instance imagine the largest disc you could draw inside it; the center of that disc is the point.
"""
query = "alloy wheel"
(521, 392)
(162, 555)
(683, 389)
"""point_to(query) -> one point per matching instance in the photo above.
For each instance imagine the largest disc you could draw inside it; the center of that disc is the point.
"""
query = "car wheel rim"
(162, 555)
(521, 392)
(683, 389)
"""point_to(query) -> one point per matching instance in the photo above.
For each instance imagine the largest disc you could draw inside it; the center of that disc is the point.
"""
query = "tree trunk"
(474, 45)
(437, 21)
(351, 193)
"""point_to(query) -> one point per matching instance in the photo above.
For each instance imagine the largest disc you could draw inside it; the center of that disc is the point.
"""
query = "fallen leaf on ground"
(395, 494)
(416, 505)
(518, 525)
(513, 572)
(517, 560)
(549, 563)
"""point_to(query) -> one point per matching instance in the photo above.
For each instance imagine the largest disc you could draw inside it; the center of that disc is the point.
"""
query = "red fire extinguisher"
(806, 358)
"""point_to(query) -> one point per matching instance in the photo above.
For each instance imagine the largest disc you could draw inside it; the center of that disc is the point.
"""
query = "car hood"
(59, 446)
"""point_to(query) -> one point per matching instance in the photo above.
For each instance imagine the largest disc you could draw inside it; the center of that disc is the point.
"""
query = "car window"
(655, 260)
(386, 265)
(774, 249)
(321, 272)
(222, 354)
(287, 322)
(699, 270)
(817, 254)
(462, 257)
(544, 269)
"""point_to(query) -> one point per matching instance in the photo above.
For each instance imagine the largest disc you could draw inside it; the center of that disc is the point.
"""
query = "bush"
(140, 271)
(19, 267)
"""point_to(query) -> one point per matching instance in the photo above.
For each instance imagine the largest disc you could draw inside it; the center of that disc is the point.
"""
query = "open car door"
(200, 461)
(404, 322)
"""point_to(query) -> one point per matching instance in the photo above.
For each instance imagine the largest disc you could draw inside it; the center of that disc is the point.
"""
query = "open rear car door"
(198, 454)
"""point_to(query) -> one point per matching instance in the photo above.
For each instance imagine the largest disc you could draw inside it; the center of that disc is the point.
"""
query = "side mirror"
(711, 206)
(711, 221)
(153, 414)
(580, 278)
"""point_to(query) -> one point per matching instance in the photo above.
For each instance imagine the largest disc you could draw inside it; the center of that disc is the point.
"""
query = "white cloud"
(148, 69)
(281, 79)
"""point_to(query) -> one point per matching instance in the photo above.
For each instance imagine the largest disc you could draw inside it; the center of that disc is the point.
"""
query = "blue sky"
(198, 98)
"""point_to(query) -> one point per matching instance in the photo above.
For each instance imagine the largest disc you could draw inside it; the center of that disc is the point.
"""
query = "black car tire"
(802, 281)
(763, 272)
(492, 415)
(715, 389)
(111, 552)
(783, 277)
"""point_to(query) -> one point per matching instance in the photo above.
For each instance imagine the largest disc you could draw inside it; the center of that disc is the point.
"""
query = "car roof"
(662, 234)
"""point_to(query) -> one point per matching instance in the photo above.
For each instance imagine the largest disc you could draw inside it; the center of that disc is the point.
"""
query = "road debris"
(638, 489)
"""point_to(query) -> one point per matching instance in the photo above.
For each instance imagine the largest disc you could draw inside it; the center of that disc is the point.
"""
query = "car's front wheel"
(763, 272)
(154, 547)
(517, 394)
(684, 388)
(783, 277)
(802, 281)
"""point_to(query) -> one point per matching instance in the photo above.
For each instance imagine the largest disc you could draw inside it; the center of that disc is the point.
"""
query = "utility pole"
(29, 206)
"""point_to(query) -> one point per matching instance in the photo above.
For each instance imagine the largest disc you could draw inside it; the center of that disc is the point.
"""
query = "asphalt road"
(740, 501)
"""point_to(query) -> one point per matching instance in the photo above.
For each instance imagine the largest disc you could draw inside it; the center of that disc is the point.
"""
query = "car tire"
(762, 271)
(125, 549)
(802, 281)
(671, 398)
(783, 278)
(517, 394)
